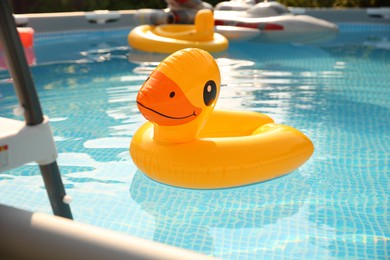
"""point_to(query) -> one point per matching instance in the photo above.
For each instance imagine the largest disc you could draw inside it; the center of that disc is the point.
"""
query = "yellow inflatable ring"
(170, 38)
(187, 143)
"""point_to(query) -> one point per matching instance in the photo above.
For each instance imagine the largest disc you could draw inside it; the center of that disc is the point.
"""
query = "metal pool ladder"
(32, 140)
(26, 235)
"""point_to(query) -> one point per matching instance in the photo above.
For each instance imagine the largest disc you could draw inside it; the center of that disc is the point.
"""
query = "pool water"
(336, 206)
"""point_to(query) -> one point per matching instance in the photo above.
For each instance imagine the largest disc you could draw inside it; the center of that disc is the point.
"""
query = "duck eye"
(172, 94)
(209, 92)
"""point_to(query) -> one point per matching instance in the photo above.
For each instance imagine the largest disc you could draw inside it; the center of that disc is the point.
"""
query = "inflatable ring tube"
(171, 38)
(183, 32)
(189, 144)
(221, 162)
(143, 38)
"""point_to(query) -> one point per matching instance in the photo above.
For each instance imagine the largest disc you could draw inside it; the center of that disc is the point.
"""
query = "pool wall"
(27, 235)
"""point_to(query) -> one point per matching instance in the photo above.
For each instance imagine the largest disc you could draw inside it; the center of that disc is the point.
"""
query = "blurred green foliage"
(43, 6)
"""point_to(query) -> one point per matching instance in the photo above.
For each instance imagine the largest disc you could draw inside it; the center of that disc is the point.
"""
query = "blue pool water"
(336, 206)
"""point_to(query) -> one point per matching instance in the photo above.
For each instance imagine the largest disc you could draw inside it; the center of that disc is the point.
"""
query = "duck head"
(180, 94)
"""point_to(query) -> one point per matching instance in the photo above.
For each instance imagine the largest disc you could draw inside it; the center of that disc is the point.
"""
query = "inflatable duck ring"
(187, 143)
(169, 38)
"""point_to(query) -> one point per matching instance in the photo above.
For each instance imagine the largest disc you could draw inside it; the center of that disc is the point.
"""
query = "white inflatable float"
(275, 22)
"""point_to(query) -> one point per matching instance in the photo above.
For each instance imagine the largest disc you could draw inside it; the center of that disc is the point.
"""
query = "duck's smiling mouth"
(162, 102)
(167, 116)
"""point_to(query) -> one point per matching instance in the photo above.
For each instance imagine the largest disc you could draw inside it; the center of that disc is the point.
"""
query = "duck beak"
(161, 101)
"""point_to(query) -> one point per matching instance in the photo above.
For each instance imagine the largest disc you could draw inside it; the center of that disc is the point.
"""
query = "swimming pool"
(333, 207)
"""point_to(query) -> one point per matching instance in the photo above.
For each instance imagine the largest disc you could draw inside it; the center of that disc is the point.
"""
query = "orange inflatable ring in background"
(26, 35)
(187, 143)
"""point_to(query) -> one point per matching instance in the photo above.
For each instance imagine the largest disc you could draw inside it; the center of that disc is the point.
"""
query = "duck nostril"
(172, 94)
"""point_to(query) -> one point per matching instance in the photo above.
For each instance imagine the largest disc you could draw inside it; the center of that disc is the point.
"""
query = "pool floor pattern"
(336, 206)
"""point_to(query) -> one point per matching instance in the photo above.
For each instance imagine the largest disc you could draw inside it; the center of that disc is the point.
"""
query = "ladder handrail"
(28, 98)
